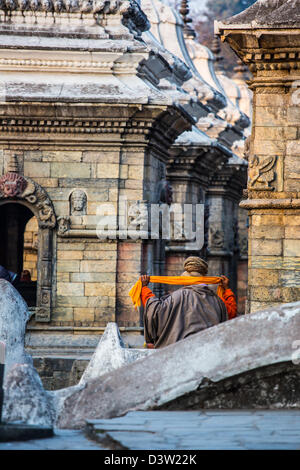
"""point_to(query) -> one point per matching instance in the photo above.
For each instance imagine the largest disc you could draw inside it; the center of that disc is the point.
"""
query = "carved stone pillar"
(267, 39)
(223, 197)
(191, 164)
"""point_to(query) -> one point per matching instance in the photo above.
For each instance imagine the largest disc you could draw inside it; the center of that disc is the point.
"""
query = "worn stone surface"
(13, 318)
(275, 386)
(23, 432)
(206, 430)
(229, 349)
(269, 12)
(25, 399)
(111, 354)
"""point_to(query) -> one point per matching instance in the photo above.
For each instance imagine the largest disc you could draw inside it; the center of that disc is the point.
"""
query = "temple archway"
(21, 199)
(19, 247)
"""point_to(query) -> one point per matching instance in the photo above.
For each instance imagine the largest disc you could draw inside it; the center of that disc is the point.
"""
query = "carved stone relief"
(216, 238)
(262, 173)
(78, 202)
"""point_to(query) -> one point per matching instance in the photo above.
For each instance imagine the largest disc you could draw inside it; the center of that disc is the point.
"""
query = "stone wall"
(274, 166)
(58, 373)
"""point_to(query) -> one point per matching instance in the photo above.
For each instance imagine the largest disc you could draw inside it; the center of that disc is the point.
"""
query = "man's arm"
(145, 295)
(229, 299)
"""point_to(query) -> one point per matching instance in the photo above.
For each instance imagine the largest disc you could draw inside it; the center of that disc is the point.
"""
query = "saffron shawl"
(135, 291)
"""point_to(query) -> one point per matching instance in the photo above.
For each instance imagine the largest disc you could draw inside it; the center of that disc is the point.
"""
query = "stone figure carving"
(63, 224)
(12, 185)
(261, 173)
(138, 215)
(216, 238)
(247, 148)
(243, 245)
(78, 200)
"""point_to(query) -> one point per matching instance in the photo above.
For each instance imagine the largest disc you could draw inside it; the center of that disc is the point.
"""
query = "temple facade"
(112, 108)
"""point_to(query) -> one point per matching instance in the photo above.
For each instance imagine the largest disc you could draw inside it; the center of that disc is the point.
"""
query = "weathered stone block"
(63, 313)
(268, 219)
(70, 170)
(69, 255)
(96, 289)
(84, 314)
(267, 232)
(266, 247)
(263, 277)
(92, 277)
(96, 266)
(107, 170)
(37, 169)
(62, 156)
(68, 266)
(70, 289)
(291, 247)
(75, 301)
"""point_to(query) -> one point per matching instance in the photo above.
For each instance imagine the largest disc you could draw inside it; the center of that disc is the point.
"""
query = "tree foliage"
(217, 10)
(226, 8)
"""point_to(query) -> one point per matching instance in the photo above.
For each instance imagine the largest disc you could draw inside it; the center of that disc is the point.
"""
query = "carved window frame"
(37, 200)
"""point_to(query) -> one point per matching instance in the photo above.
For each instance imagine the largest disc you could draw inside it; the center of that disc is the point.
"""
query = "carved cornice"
(78, 126)
(263, 48)
(132, 15)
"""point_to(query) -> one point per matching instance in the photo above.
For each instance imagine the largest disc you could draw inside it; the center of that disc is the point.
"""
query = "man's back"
(184, 312)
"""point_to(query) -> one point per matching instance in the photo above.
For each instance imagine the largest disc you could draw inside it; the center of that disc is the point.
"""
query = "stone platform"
(204, 430)
(23, 432)
(184, 430)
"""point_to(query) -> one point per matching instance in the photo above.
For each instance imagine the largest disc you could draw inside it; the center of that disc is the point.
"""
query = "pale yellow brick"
(292, 220)
(100, 255)
(136, 172)
(68, 266)
(291, 247)
(73, 301)
(265, 231)
(268, 219)
(37, 169)
(292, 231)
(47, 182)
(98, 289)
(71, 170)
(69, 255)
(263, 277)
(72, 288)
(95, 266)
(107, 170)
(266, 247)
(84, 314)
(62, 156)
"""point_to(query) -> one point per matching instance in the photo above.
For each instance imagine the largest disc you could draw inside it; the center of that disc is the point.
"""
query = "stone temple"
(115, 106)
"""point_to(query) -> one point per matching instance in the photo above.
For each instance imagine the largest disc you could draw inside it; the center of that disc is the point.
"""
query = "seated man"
(187, 310)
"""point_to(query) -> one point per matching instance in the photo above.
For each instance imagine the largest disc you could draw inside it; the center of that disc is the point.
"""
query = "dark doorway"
(14, 218)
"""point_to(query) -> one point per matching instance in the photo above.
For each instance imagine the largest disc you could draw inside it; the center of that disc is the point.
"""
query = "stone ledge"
(23, 432)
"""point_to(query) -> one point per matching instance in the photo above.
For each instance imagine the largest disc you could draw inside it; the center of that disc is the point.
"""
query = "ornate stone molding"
(17, 187)
(133, 17)
(270, 204)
